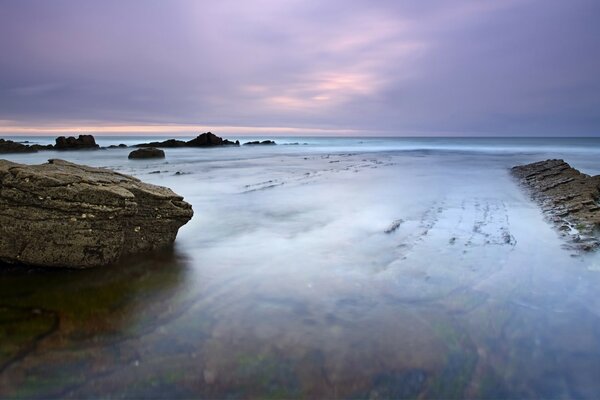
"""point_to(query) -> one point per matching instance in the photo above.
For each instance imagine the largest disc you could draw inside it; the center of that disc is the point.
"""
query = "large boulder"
(147, 152)
(568, 197)
(80, 143)
(62, 214)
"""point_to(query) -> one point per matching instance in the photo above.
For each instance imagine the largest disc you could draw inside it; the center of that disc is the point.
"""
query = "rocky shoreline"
(88, 142)
(62, 214)
(568, 197)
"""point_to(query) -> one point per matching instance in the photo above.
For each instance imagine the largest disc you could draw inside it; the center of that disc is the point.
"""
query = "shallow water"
(343, 268)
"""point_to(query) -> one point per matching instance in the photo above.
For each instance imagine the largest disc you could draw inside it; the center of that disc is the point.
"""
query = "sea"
(321, 267)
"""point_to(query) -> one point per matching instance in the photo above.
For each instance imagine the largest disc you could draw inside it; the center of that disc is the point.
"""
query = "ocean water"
(335, 267)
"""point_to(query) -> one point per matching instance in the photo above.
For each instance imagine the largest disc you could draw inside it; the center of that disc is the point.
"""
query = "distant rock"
(147, 152)
(258, 142)
(568, 197)
(8, 146)
(207, 139)
(62, 214)
(79, 143)
(117, 146)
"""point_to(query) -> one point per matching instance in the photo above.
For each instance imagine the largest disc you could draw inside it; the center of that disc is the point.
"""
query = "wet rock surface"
(147, 152)
(62, 214)
(568, 197)
(207, 139)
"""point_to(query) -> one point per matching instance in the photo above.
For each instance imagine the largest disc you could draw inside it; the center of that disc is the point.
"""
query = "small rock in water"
(147, 152)
(394, 226)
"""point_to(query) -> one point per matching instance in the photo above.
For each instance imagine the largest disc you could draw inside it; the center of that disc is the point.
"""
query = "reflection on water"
(290, 283)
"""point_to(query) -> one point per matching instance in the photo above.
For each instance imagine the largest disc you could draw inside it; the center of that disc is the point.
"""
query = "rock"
(569, 198)
(72, 143)
(8, 146)
(147, 152)
(62, 214)
(119, 146)
(207, 139)
(257, 142)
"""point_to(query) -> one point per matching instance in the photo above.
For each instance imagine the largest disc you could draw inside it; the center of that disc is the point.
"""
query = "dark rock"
(147, 152)
(119, 146)
(257, 142)
(569, 198)
(72, 143)
(171, 143)
(8, 146)
(207, 139)
(61, 214)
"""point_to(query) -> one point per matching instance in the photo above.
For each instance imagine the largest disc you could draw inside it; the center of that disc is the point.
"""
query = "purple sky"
(301, 67)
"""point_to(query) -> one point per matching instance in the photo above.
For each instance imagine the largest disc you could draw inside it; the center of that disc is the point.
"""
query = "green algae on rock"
(62, 214)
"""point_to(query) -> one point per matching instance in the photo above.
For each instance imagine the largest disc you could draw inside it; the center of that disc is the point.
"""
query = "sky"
(301, 67)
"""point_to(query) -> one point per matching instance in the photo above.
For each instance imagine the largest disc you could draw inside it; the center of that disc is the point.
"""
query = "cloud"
(501, 67)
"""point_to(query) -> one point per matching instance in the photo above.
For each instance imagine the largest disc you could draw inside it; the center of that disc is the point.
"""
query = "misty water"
(337, 268)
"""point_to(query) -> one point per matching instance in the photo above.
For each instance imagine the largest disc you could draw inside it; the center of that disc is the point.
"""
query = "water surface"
(339, 268)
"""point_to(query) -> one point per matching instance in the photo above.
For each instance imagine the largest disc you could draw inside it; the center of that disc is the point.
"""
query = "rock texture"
(72, 143)
(569, 197)
(207, 139)
(147, 152)
(61, 214)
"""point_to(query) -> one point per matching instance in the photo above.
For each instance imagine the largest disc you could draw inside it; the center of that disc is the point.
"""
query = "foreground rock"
(568, 197)
(147, 152)
(207, 139)
(80, 143)
(61, 214)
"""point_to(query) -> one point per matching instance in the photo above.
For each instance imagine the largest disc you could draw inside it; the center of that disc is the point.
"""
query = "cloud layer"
(511, 67)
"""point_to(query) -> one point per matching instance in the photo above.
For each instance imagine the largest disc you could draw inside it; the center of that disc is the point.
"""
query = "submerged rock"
(569, 197)
(79, 143)
(207, 139)
(147, 152)
(62, 214)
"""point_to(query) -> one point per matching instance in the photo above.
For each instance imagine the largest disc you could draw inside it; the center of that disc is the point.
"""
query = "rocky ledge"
(569, 198)
(62, 214)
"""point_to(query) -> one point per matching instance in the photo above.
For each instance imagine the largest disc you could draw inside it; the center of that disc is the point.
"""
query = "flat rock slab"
(62, 214)
(568, 197)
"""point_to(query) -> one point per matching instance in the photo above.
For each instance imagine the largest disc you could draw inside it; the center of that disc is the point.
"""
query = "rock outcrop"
(72, 143)
(207, 139)
(9, 146)
(258, 142)
(569, 198)
(147, 152)
(62, 214)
